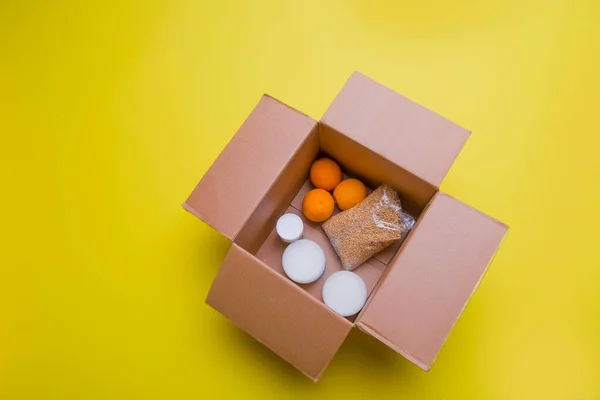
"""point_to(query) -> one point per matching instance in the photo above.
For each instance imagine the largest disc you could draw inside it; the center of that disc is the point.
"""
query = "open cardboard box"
(417, 289)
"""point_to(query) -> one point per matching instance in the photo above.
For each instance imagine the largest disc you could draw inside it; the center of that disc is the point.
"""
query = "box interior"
(258, 235)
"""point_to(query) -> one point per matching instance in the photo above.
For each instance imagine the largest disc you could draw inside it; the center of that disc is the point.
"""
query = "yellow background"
(110, 112)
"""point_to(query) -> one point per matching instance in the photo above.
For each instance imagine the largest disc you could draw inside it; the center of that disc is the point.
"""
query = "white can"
(289, 227)
(345, 293)
(303, 261)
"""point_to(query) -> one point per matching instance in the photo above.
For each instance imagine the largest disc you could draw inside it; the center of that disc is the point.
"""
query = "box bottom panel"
(271, 251)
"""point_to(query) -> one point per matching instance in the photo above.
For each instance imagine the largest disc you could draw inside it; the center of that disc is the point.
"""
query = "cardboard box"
(417, 290)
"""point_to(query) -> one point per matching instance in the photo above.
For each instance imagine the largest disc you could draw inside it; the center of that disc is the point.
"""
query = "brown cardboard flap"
(431, 279)
(236, 182)
(406, 133)
(277, 313)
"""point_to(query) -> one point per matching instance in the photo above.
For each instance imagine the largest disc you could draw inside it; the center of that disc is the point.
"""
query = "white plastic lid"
(345, 293)
(289, 227)
(303, 261)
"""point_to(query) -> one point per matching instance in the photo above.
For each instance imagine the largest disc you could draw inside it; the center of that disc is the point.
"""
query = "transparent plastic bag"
(369, 227)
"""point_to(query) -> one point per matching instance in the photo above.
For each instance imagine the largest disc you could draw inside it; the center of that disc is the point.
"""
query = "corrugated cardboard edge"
(198, 215)
(373, 332)
(288, 106)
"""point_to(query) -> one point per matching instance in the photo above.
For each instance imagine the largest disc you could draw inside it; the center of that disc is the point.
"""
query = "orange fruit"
(318, 205)
(325, 174)
(349, 193)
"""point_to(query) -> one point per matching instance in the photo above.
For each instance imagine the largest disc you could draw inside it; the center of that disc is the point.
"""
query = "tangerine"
(325, 174)
(318, 205)
(349, 193)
